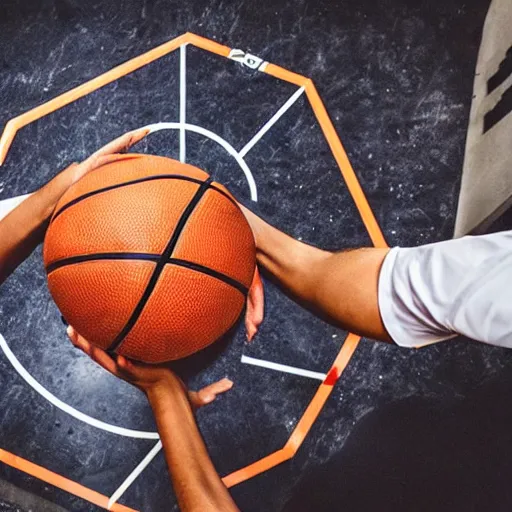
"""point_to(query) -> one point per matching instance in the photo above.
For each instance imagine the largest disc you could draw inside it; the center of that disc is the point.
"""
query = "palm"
(146, 377)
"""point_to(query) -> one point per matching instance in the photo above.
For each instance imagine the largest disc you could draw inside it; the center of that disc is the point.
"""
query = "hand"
(255, 306)
(151, 379)
(102, 156)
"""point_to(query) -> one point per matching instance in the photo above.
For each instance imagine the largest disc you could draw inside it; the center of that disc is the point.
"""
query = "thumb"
(208, 394)
(72, 335)
(255, 306)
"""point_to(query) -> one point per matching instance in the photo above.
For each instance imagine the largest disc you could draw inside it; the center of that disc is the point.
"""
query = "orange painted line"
(345, 167)
(260, 466)
(7, 137)
(207, 44)
(315, 406)
(303, 426)
(224, 51)
(284, 74)
(64, 99)
(324, 391)
(60, 482)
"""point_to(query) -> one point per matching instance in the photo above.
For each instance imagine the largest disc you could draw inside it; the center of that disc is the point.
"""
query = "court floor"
(77, 436)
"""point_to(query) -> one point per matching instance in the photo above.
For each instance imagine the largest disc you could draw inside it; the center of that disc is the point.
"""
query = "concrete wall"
(486, 189)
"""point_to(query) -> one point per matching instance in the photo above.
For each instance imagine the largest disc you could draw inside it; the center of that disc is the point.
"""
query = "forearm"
(285, 258)
(24, 228)
(196, 483)
(341, 287)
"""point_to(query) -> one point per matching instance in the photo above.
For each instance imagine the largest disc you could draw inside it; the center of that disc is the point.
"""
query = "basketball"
(149, 258)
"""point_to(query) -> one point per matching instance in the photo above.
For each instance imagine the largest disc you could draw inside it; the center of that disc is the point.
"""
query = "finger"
(221, 386)
(122, 143)
(127, 368)
(209, 393)
(71, 166)
(95, 161)
(104, 360)
(255, 306)
(77, 340)
(96, 354)
(199, 399)
(110, 151)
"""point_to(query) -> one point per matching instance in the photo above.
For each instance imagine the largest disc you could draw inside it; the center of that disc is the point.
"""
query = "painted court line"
(135, 474)
(84, 89)
(114, 429)
(272, 121)
(354, 187)
(183, 101)
(283, 368)
(155, 127)
(59, 481)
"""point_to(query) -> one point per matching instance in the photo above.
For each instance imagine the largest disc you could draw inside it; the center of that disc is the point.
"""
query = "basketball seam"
(160, 265)
(209, 271)
(134, 256)
(81, 198)
(73, 260)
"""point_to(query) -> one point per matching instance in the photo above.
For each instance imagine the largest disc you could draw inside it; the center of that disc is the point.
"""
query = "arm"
(23, 229)
(342, 286)
(196, 483)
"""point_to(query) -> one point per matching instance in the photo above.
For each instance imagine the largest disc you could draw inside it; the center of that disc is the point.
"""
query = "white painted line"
(7, 205)
(272, 121)
(183, 101)
(216, 138)
(114, 429)
(134, 474)
(263, 66)
(283, 368)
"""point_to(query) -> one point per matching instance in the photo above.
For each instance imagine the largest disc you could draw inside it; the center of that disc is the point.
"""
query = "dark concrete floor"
(14, 499)
(403, 430)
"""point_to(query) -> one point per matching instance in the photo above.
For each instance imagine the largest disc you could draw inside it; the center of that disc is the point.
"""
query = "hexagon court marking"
(305, 85)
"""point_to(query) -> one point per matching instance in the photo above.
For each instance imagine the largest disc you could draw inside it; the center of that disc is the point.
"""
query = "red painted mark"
(332, 377)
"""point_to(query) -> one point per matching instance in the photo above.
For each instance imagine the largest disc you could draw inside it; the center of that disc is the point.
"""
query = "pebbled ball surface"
(131, 225)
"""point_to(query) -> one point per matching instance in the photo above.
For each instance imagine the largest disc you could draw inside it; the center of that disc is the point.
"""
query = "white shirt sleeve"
(435, 292)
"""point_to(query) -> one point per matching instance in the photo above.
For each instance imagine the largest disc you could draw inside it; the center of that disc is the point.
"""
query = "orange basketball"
(149, 258)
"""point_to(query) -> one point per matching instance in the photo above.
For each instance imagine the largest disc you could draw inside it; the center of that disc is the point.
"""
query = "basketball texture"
(149, 258)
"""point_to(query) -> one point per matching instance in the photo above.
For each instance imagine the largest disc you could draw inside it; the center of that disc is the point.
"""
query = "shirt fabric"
(438, 291)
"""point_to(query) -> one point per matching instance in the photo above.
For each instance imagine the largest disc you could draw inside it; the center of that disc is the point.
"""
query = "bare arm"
(196, 483)
(23, 229)
(342, 286)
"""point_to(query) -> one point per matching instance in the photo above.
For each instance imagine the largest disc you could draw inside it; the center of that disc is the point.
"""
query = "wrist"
(167, 392)
(256, 224)
(51, 193)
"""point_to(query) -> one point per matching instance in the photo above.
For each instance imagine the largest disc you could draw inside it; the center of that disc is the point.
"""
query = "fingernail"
(64, 321)
(139, 135)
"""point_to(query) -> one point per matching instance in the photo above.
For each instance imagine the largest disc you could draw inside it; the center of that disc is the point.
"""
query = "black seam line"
(125, 184)
(160, 265)
(209, 271)
(134, 182)
(102, 256)
(142, 256)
